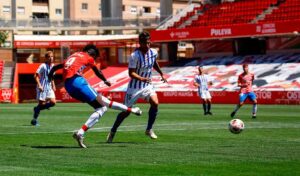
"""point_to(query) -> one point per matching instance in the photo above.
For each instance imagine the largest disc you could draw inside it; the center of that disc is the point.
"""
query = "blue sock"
(204, 107)
(121, 116)
(152, 117)
(48, 105)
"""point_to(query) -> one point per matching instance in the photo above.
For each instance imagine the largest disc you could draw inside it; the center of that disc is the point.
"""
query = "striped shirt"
(43, 72)
(143, 65)
(203, 81)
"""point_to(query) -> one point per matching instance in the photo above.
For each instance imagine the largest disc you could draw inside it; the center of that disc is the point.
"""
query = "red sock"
(110, 104)
(84, 128)
(128, 109)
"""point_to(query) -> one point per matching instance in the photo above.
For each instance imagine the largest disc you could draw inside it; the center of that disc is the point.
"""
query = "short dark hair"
(47, 54)
(144, 36)
(92, 50)
(245, 65)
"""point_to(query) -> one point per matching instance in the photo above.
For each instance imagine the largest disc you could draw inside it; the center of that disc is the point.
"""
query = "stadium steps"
(263, 14)
(227, 13)
(1, 70)
(7, 75)
(178, 18)
(287, 10)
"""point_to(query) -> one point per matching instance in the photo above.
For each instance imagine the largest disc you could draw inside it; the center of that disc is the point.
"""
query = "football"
(236, 126)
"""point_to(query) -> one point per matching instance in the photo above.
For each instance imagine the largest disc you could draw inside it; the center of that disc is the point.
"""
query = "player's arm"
(195, 82)
(241, 83)
(132, 73)
(54, 69)
(210, 82)
(100, 75)
(53, 85)
(37, 80)
(157, 68)
(132, 65)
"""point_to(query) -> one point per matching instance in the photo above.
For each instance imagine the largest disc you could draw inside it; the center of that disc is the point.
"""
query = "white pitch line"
(176, 127)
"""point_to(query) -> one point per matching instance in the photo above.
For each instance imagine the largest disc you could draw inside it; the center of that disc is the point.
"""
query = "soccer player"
(245, 81)
(80, 89)
(45, 88)
(140, 65)
(202, 81)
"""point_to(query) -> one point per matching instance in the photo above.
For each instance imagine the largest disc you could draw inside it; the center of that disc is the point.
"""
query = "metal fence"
(42, 23)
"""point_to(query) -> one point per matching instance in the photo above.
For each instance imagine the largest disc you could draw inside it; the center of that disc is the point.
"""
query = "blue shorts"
(80, 89)
(250, 95)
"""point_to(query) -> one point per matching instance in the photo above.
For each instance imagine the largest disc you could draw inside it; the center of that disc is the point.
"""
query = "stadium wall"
(167, 93)
(218, 97)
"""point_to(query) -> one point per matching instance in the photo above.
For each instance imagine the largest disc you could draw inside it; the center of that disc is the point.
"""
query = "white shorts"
(43, 96)
(132, 95)
(204, 94)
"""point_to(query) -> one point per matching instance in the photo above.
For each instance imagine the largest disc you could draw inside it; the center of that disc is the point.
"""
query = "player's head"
(245, 68)
(144, 40)
(49, 56)
(200, 69)
(92, 50)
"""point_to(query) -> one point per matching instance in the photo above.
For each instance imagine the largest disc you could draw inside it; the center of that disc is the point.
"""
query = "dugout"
(30, 51)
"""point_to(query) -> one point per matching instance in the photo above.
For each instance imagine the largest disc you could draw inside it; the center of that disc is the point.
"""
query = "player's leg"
(208, 101)
(36, 112)
(242, 98)
(46, 100)
(130, 99)
(118, 106)
(204, 105)
(78, 88)
(120, 118)
(153, 100)
(209, 106)
(41, 97)
(51, 101)
(92, 120)
(252, 97)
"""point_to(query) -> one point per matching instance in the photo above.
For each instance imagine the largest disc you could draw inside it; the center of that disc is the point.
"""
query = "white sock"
(254, 109)
(94, 118)
(114, 105)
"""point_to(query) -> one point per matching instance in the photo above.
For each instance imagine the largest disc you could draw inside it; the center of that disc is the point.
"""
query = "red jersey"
(76, 63)
(246, 81)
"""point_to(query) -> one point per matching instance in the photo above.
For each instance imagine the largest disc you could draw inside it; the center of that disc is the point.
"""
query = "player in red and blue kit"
(80, 89)
(245, 82)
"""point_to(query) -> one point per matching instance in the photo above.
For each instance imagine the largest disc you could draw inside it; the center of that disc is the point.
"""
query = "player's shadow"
(120, 144)
(50, 147)
(54, 147)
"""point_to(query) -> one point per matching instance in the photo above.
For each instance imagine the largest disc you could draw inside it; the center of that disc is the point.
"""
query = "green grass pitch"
(188, 143)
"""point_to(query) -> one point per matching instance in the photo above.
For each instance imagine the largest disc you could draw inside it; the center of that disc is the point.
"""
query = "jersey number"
(69, 62)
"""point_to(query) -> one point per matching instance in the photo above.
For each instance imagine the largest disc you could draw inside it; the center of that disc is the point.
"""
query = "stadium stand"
(285, 11)
(239, 12)
(273, 72)
(1, 70)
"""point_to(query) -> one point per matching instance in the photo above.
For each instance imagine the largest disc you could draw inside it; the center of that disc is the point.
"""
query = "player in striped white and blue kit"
(140, 65)
(202, 81)
(45, 88)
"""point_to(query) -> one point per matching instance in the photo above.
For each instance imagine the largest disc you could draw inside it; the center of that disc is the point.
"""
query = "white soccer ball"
(236, 126)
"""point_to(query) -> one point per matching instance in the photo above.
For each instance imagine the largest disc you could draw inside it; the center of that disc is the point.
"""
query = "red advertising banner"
(6, 95)
(58, 44)
(218, 97)
(232, 31)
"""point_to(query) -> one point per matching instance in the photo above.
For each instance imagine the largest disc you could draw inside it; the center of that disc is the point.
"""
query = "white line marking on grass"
(175, 127)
